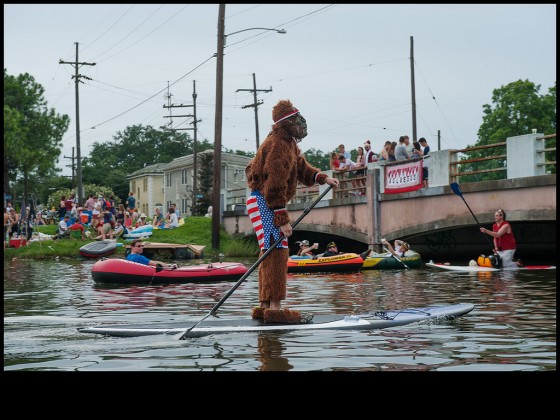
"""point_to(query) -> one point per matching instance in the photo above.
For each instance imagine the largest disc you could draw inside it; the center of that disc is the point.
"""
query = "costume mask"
(299, 126)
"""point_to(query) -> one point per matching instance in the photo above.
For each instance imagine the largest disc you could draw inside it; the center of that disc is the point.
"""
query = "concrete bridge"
(435, 220)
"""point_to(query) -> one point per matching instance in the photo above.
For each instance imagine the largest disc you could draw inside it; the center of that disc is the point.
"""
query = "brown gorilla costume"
(275, 171)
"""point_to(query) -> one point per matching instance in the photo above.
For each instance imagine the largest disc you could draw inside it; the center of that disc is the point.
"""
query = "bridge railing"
(549, 152)
(352, 182)
(520, 156)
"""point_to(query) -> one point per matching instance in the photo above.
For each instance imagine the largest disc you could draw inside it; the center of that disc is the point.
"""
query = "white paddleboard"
(476, 268)
(368, 321)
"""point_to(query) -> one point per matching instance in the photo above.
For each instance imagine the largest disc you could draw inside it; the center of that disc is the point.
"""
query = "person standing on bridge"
(504, 241)
(272, 175)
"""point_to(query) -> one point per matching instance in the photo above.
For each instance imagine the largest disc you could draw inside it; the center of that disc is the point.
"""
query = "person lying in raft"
(136, 249)
(305, 250)
(400, 247)
(332, 250)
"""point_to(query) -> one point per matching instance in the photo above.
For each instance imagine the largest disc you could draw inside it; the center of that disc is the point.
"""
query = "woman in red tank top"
(504, 241)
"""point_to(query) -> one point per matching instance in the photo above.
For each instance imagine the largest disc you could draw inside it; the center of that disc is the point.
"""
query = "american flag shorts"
(262, 218)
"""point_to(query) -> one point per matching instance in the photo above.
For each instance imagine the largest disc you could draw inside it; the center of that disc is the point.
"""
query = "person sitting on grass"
(136, 249)
(173, 220)
(78, 226)
(63, 229)
(117, 231)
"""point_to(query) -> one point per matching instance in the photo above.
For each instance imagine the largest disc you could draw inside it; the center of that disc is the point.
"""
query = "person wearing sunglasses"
(136, 249)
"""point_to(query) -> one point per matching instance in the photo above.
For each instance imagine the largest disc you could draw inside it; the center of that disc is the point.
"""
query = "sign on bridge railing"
(403, 177)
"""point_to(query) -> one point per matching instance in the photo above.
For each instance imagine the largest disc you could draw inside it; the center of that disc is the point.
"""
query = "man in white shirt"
(63, 230)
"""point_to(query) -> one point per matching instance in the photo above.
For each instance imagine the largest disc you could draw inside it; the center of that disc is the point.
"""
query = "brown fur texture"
(278, 164)
(273, 272)
(282, 316)
(258, 313)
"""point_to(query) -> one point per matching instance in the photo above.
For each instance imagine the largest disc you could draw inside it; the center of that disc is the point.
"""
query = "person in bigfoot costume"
(272, 175)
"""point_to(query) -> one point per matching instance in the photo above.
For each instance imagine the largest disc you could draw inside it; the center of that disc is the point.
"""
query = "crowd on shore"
(98, 218)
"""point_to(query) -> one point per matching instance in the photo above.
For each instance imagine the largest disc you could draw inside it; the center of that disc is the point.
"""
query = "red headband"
(287, 116)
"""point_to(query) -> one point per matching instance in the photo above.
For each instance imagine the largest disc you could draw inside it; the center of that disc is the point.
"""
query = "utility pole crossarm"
(255, 104)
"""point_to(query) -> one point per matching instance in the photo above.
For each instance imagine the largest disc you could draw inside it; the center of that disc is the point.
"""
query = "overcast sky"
(345, 67)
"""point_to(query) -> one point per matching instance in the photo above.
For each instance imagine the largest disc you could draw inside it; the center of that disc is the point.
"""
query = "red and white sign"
(403, 177)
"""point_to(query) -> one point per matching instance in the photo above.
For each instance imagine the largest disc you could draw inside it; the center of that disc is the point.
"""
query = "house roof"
(148, 170)
(183, 161)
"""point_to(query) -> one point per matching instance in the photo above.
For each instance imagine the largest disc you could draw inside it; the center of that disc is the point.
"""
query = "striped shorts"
(262, 219)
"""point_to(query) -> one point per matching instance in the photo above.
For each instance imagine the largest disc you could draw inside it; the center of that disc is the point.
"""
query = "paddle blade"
(456, 189)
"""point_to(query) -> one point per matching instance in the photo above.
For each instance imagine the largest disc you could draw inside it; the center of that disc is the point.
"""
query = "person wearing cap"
(273, 175)
(141, 220)
(136, 250)
(400, 248)
(305, 249)
(370, 155)
(332, 250)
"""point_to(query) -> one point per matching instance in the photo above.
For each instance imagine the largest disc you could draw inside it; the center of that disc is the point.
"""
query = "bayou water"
(512, 327)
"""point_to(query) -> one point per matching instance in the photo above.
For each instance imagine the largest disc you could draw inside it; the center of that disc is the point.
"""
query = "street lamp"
(280, 31)
(216, 185)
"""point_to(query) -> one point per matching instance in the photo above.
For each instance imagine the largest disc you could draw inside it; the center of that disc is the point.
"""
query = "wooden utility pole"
(77, 77)
(255, 104)
(195, 121)
(414, 137)
(73, 168)
(216, 186)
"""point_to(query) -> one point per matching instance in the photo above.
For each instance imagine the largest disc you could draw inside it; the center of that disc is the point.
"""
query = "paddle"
(457, 190)
(396, 258)
(256, 264)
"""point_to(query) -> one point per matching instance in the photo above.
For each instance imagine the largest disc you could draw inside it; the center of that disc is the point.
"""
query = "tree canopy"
(517, 108)
(32, 133)
(109, 163)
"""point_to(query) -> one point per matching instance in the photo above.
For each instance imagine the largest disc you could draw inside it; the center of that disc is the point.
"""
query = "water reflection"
(513, 325)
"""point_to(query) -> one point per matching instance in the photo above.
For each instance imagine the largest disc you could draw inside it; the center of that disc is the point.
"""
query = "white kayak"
(368, 321)
(477, 268)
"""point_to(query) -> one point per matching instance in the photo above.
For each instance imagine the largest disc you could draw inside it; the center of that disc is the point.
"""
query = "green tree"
(109, 163)
(318, 159)
(32, 133)
(517, 109)
(239, 152)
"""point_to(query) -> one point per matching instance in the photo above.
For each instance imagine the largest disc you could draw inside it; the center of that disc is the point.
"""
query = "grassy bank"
(195, 231)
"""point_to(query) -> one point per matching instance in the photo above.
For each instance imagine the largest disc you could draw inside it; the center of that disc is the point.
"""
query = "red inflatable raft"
(115, 270)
